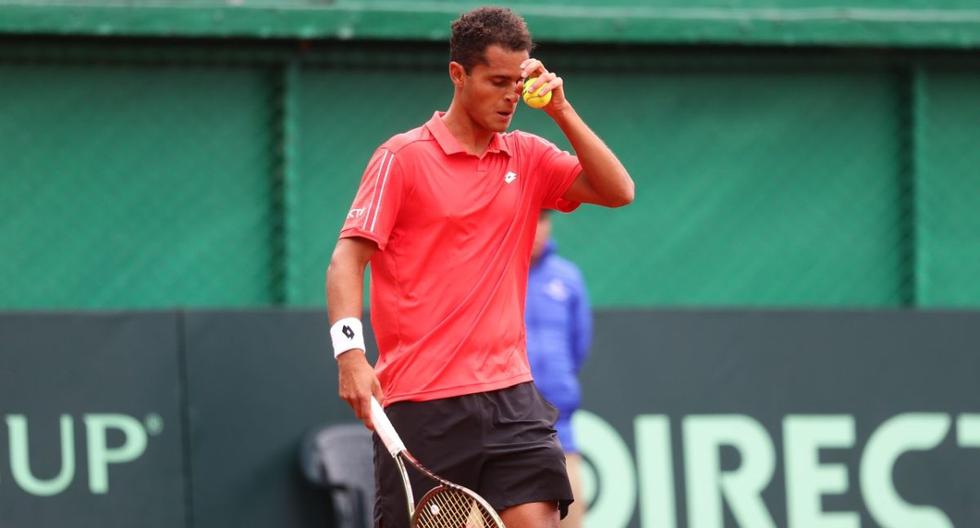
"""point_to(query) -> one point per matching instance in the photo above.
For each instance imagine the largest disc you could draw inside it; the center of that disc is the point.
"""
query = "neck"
(474, 138)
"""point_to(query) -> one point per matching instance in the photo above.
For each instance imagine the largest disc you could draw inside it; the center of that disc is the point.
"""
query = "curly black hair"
(476, 30)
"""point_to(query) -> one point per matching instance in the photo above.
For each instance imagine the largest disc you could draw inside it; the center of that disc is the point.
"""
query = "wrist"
(347, 334)
(352, 356)
(561, 112)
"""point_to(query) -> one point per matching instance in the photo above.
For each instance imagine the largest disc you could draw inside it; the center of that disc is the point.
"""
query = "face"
(541, 236)
(489, 92)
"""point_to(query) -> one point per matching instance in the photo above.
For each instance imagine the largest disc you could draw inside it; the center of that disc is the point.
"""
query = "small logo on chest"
(510, 177)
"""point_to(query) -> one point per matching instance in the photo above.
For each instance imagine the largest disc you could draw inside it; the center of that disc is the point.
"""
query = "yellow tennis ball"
(533, 99)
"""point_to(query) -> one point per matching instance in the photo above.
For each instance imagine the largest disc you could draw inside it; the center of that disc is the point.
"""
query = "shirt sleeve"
(378, 200)
(558, 169)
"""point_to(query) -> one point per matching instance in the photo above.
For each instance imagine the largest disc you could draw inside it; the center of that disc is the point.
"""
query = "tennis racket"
(447, 505)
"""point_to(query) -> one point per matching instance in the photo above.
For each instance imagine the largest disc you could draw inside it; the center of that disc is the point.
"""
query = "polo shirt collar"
(450, 145)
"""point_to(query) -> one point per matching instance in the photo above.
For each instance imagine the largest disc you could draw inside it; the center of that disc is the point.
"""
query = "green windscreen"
(134, 186)
(949, 188)
(160, 176)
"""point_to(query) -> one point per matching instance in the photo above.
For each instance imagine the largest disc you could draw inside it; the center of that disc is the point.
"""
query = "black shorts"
(501, 444)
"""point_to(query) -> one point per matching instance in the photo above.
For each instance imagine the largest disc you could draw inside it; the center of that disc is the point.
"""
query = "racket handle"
(385, 430)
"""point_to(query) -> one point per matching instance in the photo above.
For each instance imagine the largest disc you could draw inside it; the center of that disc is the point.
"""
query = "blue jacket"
(559, 332)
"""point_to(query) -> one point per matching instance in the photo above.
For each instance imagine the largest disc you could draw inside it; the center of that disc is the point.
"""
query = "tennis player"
(446, 215)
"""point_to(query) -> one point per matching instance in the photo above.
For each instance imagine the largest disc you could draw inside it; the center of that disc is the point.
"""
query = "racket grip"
(385, 430)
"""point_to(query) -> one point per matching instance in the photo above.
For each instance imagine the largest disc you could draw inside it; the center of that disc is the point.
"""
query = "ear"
(457, 73)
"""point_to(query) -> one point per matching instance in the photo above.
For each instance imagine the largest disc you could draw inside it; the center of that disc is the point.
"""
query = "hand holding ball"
(535, 100)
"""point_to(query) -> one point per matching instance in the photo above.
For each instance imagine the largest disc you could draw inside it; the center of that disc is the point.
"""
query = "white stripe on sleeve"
(374, 194)
(377, 209)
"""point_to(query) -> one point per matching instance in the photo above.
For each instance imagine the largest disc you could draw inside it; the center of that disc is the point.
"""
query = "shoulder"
(528, 142)
(409, 142)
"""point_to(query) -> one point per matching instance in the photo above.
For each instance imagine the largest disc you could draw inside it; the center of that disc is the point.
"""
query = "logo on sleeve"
(510, 177)
(356, 213)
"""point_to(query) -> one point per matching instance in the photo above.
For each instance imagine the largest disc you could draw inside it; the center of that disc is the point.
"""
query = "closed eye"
(504, 82)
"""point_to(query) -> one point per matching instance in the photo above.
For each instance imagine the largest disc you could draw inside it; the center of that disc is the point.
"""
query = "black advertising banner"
(91, 431)
(766, 419)
(691, 419)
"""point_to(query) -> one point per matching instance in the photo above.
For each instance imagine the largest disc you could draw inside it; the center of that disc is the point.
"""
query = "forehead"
(502, 61)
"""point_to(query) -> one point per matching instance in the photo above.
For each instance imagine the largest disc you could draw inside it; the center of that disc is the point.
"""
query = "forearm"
(605, 174)
(357, 381)
(345, 283)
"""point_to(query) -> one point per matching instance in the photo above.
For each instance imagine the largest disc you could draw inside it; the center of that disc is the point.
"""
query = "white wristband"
(347, 334)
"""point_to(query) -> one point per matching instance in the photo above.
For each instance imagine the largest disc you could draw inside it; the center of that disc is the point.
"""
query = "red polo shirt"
(454, 233)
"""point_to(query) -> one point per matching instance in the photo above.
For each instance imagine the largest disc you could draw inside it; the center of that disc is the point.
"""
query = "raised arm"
(603, 180)
(345, 284)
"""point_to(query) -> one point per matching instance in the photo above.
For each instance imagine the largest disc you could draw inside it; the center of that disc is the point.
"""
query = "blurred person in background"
(559, 333)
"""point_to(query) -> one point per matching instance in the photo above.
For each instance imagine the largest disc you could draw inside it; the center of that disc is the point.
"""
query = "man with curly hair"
(446, 215)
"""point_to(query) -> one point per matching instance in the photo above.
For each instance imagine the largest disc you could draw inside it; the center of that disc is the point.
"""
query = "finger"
(536, 85)
(526, 67)
(364, 412)
(554, 84)
(355, 405)
(543, 80)
(532, 67)
(349, 397)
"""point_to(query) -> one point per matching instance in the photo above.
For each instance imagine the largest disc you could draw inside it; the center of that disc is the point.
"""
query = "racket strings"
(452, 508)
